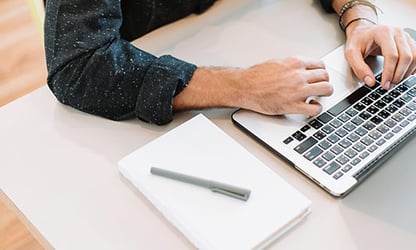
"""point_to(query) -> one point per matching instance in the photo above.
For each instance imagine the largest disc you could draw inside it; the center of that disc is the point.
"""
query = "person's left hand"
(394, 44)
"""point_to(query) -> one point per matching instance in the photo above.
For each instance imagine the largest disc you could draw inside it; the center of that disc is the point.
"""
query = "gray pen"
(214, 186)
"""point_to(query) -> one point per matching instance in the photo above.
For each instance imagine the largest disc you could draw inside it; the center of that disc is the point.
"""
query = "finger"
(412, 67)
(309, 109)
(391, 55)
(311, 63)
(317, 75)
(405, 57)
(359, 66)
(319, 89)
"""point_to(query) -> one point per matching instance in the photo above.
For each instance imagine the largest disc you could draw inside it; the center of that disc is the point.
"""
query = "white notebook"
(212, 220)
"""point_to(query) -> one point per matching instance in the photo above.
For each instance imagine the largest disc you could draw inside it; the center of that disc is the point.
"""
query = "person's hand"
(283, 86)
(394, 44)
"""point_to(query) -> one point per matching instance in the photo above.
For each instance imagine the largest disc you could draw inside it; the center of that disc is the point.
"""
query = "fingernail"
(387, 85)
(368, 80)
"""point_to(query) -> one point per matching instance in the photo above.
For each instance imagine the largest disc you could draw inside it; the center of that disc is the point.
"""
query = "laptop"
(357, 130)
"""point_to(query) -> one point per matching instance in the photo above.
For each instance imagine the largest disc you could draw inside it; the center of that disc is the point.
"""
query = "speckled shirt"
(93, 67)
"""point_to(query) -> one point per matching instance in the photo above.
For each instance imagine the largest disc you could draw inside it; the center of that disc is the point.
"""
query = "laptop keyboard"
(355, 127)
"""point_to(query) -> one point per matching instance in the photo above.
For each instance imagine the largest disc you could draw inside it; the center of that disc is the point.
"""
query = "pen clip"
(236, 192)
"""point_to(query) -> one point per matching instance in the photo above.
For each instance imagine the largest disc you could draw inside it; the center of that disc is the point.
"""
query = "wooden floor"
(22, 69)
(22, 63)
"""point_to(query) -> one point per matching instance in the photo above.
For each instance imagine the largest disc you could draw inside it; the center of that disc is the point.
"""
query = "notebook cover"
(212, 220)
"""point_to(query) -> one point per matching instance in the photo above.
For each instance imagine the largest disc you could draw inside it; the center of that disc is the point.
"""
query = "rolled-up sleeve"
(327, 5)
(94, 70)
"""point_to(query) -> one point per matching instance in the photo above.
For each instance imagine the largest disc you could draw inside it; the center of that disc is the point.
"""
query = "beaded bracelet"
(348, 5)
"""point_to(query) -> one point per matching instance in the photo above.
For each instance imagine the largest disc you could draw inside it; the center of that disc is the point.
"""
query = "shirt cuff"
(165, 78)
(327, 5)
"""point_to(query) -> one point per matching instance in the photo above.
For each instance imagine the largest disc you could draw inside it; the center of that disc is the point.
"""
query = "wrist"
(355, 12)
(210, 87)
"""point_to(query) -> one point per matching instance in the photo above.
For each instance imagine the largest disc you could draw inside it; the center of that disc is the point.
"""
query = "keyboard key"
(347, 168)
(395, 93)
(366, 101)
(349, 126)
(399, 103)
(361, 131)
(351, 112)
(324, 117)
(328, 156)
(332, 167)
(342, 159)
(376, 119)
(367, 141)
(333, 138)
(381, 91)
(390, 122)
(364, 155)
(359, 106)
(335, 123)
(405, 112)
(305, 128)
(337, 149)
(344, 143)
(365, 115)
(319, 162)
(299, 136)
(384, 114)
(328, 129)
(380, 104)
(325, 144)
(319, 135)
(388, 135)
(391, 108)
(404, 123)
(411, 117)
(357, 120)
(374, 96)
(341, 132)
(288, 140)
(338, 175)
(372, 109)
(353, 137)
(350, 153)
(387, 98)
(411, 106)
(406, 98)
(380, 142)
(383, 129)
(374, 134)
(348, 101)
(355, 161)
(315, 124)
(359, 146)
(398, 117)
(308, 143)
(313, 153)
(372, 148)
(369, 125)
(397, 129)
(344, 117)
(409, 82)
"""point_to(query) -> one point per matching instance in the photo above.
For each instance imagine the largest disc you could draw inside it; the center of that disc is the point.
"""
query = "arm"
(94, 70)
(366, 37)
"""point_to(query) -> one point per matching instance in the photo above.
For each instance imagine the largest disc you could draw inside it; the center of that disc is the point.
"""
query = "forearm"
(91, 68)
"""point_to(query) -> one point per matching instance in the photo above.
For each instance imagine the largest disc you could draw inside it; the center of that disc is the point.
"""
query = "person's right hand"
(283, 86)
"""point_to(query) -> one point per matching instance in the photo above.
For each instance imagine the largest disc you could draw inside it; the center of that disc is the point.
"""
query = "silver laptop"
(358, 128)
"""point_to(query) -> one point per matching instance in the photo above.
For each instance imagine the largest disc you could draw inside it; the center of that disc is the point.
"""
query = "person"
(93, 67)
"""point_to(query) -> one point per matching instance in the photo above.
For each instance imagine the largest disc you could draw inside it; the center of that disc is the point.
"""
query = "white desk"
(59, 166)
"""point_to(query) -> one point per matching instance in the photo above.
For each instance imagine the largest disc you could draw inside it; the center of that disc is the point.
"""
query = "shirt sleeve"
(92, 69)
(327, 5)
